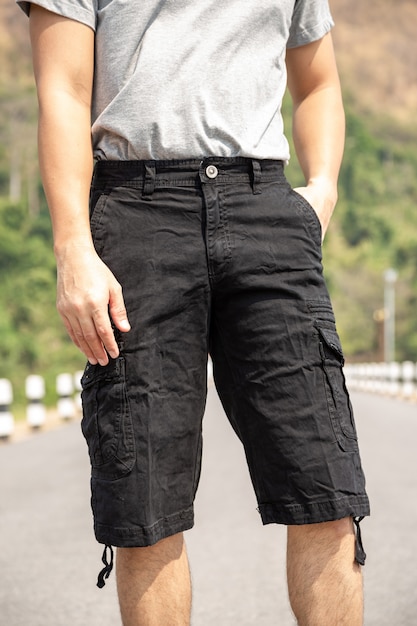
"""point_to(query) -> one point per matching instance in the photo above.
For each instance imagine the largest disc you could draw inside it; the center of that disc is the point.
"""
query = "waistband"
(187, 172)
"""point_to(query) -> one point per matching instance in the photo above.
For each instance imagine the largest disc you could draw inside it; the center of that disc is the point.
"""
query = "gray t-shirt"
(192, 78)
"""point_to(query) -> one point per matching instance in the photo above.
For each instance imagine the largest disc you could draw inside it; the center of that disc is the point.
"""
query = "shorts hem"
(316, 512)
(141, 537)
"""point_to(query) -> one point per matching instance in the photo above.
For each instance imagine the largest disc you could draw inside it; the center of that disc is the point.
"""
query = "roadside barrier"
(35, 393)
(68, 405)
(6, 417)
(65, 391)
(398, 380)
(77, 387)
(391, 379)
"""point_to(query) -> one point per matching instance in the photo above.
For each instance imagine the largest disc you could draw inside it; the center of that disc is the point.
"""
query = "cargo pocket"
(331, 353)
(340, 408)
(107, 421)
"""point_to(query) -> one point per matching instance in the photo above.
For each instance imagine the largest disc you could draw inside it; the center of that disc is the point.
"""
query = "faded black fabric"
(225, 260)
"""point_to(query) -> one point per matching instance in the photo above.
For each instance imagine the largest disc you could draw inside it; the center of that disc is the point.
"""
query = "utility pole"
(390, 278)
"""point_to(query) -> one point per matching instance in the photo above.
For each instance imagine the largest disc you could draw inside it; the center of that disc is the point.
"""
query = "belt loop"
(149, 179)
(256, 176)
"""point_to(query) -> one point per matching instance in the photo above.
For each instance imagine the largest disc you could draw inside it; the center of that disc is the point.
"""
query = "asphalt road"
(49, 558)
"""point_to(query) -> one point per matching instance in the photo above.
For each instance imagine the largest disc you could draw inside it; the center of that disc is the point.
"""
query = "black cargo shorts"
(217, 256)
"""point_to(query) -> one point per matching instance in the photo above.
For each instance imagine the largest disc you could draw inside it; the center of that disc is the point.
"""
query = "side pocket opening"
(309, 215)
(107, 421)
(340, 408)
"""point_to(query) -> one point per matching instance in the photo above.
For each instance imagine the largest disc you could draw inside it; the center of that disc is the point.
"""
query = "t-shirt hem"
(65, 9)
(312, 34)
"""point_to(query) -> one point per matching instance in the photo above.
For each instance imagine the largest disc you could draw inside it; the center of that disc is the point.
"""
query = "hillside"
(15, 61)
(375, 43)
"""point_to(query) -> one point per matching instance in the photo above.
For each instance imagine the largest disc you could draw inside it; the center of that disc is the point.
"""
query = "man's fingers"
(77, 337)
(94, 338)
(118, 310)
(88, 301)
(104, 332)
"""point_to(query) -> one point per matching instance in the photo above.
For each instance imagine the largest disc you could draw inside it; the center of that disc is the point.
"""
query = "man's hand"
(88, 295)
(322, 197)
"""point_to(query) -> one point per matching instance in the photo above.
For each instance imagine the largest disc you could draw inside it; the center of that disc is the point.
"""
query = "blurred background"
(49, 558)
(374, 227)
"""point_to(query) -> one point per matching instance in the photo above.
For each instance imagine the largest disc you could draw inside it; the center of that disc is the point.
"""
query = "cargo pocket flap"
(332, 341)
(95, 373)
(107, 421)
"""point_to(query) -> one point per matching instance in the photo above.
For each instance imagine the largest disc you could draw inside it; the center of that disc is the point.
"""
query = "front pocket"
(309, 215)
(107, 421)
(97, 205)
(340, 408)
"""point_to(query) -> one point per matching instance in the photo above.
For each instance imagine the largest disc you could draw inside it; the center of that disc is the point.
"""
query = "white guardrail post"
(6, 417)
(394, 379)
(35, 393)
(77, 385)
(408, 375)
(65, 391)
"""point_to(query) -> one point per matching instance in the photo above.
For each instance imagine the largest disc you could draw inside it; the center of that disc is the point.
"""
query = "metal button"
(211, 171)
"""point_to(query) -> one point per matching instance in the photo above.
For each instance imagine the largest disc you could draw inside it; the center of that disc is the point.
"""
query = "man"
(191, 215)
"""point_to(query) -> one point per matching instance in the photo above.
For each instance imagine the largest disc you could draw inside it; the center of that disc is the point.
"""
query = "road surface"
(49, 559)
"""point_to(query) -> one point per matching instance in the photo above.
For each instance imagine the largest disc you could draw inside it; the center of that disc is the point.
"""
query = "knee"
(325, 537)
(165, 550)
(337, 529)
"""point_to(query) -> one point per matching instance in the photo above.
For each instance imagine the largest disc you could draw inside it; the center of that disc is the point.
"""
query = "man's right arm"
(63, 59)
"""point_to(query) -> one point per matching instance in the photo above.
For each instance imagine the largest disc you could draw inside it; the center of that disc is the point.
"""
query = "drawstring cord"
(108, 566)
(360, 554)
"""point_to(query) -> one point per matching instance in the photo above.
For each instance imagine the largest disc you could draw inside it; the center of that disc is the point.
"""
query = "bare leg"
(153, 584)
(324, 581)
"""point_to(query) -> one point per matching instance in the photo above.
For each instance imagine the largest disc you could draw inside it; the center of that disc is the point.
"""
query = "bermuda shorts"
(220, 257)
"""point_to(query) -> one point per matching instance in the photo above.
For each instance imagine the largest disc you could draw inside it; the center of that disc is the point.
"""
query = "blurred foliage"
(374, 227)
(32, 338)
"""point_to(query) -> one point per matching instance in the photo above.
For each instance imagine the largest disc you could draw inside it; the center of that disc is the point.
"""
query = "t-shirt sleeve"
(83, 11)
(311, 20)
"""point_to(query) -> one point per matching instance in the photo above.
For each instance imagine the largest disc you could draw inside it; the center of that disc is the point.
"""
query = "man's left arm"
(318, 122)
